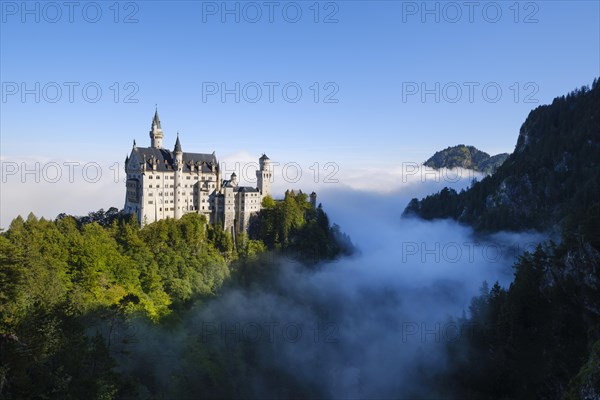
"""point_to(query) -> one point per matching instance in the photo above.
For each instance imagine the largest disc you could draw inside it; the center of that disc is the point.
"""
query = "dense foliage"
(293, 225)
(540, 338)
(534, 339)
(54, 273)
(466, 157)
(70, 288)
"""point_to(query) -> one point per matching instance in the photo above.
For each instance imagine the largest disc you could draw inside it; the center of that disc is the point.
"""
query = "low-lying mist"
(373, 325)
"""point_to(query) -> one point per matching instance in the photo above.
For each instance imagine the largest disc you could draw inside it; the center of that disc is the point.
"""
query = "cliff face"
(469, 157)
(551, 178)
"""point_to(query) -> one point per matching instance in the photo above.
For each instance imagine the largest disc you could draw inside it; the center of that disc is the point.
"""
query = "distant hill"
(469, 157)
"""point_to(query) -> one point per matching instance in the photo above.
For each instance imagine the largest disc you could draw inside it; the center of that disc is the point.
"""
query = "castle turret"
(178, 169)
(156, 133)
(234, 181)
(263, 176)
(313, 200)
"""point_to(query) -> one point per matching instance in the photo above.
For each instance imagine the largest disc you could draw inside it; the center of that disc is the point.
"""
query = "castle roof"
(165, 159)
(245, 189)
(264, 157)
(156, 120)
(178, 144)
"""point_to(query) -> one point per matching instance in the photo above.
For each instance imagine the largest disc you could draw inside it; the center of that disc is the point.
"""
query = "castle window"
(150, 202)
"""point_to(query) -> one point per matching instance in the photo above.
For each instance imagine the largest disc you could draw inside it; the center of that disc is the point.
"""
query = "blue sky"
(373, 54)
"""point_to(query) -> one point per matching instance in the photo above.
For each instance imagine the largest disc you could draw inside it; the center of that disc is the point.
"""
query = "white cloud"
(48, 186)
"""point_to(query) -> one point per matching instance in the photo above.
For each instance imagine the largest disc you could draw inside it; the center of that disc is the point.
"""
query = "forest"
(540, 337)
(73, 289)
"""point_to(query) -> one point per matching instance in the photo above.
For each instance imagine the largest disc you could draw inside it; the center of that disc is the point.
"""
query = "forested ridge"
(69, 286)
(552, 177)
(540, 337)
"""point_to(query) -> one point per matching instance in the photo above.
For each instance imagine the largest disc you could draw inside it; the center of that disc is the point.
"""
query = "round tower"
(313, 200)
(178, 170)
(263, 176)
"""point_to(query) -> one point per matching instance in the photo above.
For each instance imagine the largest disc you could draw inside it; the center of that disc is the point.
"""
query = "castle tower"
(156, 133)
(178, 169)
(313, 200)
(263, 176)
(234, 181)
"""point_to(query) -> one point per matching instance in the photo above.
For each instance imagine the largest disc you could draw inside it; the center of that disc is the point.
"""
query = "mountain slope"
(551, 178)
(540, 337)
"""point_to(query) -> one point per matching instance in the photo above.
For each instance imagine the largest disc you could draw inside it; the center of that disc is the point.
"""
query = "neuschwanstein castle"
(168, 184)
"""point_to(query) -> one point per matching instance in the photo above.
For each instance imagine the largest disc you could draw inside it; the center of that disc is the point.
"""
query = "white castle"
(168, 184)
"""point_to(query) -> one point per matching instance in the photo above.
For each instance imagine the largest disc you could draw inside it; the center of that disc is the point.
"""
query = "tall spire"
(178, 144)
(156, 133)
(156, 120)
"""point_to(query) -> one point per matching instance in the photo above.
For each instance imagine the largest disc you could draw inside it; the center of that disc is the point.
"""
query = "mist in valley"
(373, 325)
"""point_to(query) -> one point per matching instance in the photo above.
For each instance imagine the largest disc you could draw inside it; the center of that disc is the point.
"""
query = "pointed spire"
(156, 133)
(178, 144)
(134, 145)
(156, 120)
